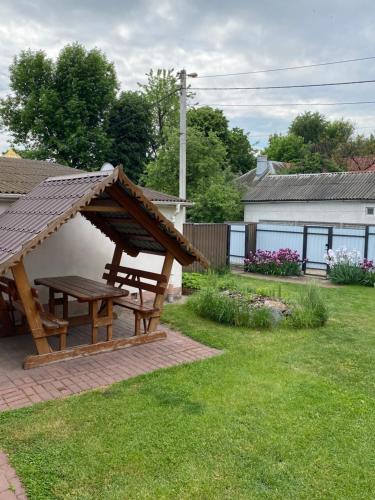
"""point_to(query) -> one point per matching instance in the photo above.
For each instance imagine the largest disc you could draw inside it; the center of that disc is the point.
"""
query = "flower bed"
(283, 262)
(347, 268)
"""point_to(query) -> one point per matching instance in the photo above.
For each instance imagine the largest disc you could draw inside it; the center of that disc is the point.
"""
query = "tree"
(206, 158)
(312, 163)
(240, 153)
(285, 148)
(207, 119)
(219, 202)
(209, 179)
(129, 127)
(59, 110)
(161, 92)
(310, 126)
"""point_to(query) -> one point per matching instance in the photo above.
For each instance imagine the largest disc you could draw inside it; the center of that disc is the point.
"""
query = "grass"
(280, 414)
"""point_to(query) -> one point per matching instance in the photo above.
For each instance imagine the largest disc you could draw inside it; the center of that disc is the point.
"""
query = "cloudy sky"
(215, 37)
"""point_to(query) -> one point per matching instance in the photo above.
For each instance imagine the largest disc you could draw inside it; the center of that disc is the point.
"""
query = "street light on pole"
(182, 176)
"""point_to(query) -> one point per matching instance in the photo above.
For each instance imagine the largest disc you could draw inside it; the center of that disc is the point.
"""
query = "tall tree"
(310, 126)
(161, 92)
(241, 156)
(285, 148)
(59, 110)
(209, 179)
(208, 120)
(130, 130)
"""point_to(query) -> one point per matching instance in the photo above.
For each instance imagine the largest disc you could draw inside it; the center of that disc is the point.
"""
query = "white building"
(340, 198)
(67, 252)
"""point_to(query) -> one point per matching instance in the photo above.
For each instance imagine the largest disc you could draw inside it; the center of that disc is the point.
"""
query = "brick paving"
(19, 388)
(10, 486)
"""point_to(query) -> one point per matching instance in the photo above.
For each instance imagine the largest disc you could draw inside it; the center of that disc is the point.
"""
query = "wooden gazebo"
(120, 210)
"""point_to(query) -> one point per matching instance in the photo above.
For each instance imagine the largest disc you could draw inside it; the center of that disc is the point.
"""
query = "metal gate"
(237, 243)
(316, 242)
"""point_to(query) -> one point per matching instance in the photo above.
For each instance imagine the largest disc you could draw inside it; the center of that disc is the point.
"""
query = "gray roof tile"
(313, 187)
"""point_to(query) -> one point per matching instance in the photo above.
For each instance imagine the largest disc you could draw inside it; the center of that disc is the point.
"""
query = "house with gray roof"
(68, 251)
(339, 198)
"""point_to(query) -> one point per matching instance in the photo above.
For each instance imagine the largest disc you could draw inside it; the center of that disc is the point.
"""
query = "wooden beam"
(87, 349)
(159, 298)
(116, 262)
(30, 308)
(103, 208)
(149, 224)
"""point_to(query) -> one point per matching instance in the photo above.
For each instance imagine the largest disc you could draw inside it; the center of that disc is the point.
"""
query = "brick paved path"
(10, 486)
(19, 388)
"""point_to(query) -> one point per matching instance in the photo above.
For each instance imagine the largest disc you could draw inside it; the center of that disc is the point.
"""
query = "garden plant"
(283, 262)
(347, 268)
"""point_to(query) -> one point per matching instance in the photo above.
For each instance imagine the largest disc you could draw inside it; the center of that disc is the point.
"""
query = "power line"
(270, 87)
(286, 131)
(288, 104)
(343, 61)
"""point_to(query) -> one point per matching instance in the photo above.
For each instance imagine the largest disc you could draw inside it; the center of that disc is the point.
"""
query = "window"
(370, 210)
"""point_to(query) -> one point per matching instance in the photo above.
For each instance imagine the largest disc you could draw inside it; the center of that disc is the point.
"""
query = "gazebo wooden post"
(159, 298)
(30, 307)
(116, 260)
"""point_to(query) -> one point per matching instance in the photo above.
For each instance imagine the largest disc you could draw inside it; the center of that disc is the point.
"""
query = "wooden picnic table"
(98, 295)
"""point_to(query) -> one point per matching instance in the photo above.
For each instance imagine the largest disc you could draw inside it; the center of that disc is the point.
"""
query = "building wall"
(342, 212)
(78, 248)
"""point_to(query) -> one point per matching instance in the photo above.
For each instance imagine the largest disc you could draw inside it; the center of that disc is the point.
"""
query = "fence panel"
(349, 238)
(211, 240)
(237, 243)
(275, 236)
(371, 243)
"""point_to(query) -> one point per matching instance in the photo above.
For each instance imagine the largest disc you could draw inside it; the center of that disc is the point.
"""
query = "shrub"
(346, 274)
(193, 280)
(210, 303)
(283, 262)
(309, 310)
(346, 268)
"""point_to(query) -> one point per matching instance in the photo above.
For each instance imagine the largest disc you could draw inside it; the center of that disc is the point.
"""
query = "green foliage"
(312, 163)
(368, 279)
(60, 109)
(161, 93)
(286, 148)
(310, 126)
(345, 273)
(219, 202)
(193, 280)
(241, 157)
(210, 303)
(206, 160)
(310, 309)
(129, 127)
(209, 181)
(209, 120)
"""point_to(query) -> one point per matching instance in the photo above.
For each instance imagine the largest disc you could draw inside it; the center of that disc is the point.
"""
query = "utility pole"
(182, 177)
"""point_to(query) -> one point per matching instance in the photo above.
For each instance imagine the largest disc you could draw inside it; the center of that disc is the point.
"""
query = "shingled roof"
(19, 176)
(109, 200)
(313, 187)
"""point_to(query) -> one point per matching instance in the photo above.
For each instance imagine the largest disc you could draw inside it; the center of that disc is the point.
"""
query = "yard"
(280, 414)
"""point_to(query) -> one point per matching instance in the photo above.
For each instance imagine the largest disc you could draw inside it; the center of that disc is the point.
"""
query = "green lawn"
(280, 414)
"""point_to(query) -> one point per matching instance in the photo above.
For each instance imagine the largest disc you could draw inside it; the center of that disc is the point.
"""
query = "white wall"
(78, 248)
(344, 212)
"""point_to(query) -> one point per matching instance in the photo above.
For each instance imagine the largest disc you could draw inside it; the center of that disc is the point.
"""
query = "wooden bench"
(120, 276)
(52, 326)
